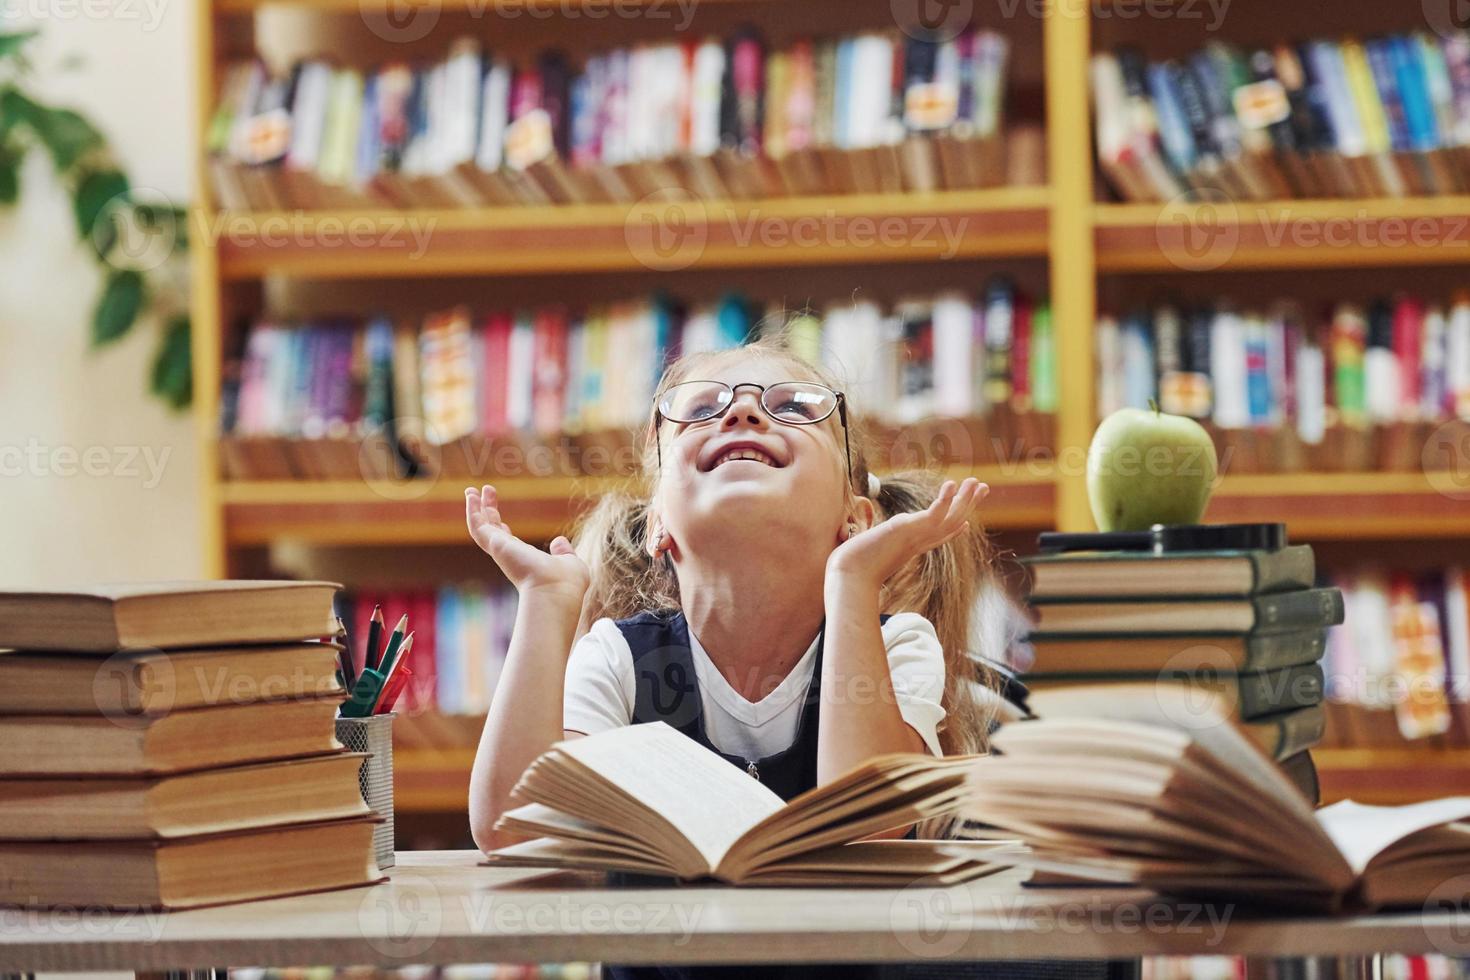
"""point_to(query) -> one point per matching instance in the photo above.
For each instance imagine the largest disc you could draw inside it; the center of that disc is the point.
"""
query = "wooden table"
(440, 907)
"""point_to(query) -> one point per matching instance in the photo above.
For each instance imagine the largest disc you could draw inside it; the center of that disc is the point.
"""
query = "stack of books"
(1385, 117)
(719, 118)
(173, 745)
(1242, 631)
(299, 399)
(1352, 386)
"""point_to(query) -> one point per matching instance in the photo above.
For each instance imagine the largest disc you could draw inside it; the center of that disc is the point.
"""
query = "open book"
(1155, 790)
(648, 799)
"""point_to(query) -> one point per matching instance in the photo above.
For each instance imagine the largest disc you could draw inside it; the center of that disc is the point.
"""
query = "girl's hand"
(875, 555)
(555, 573)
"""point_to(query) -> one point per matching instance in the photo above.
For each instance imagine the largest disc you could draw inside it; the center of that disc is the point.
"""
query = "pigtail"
(611, 539)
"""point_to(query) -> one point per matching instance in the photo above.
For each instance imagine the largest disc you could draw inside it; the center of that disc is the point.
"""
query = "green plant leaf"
(68, 135)
(173, 371)
(64, 133)
(93, 193)
(122, 299)
(9, 175)
(10, 44)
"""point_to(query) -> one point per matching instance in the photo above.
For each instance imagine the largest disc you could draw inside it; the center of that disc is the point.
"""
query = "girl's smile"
(740, 450)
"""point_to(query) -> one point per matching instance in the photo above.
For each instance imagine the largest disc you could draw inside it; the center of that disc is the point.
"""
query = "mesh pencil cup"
(374, 735)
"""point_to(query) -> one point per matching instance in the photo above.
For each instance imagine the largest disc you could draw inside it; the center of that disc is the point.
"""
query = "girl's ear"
(865, 514)
(659, 540)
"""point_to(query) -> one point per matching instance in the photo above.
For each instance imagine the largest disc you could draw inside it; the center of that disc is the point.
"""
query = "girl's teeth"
(745, 454)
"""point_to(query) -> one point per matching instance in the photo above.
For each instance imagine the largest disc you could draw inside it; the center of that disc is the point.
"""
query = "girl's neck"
(755, 613)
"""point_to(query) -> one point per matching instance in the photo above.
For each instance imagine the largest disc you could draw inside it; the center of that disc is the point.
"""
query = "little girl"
(768, 596)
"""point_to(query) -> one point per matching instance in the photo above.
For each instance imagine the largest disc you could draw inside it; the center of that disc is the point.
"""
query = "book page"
(1361, 832)
(707, 800)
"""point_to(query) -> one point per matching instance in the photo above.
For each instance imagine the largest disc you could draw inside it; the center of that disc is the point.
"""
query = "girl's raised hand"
(556, 573)
(876, 554)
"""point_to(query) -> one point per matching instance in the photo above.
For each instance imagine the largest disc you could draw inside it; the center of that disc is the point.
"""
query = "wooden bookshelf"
(1308, 234)
(432, 511)
(450, 6)
(1008, 222)
(1337, 506)
(431, 780)
(1389, 776)
(1061, 224)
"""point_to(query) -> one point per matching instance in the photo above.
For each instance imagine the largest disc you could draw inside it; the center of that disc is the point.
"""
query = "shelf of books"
(455, 245)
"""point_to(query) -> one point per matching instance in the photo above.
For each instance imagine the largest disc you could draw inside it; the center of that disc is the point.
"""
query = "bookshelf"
(1061, 226)
(1297, 234)
(1004, 222)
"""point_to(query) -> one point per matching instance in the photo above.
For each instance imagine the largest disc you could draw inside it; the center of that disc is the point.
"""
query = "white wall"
(136, 515)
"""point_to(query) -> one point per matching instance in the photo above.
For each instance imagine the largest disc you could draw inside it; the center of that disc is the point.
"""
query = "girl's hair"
(943, 585)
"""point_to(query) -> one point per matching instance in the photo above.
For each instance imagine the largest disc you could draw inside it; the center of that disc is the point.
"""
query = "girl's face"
(797, 480)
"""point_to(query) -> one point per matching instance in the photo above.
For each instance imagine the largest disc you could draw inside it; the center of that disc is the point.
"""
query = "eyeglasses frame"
(840, 408)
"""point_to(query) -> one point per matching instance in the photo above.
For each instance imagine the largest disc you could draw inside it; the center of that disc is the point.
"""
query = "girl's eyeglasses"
(789, 402)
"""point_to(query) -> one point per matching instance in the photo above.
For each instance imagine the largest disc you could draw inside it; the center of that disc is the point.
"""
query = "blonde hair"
(943, 585)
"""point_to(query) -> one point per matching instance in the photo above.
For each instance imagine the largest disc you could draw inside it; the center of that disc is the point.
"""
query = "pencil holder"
(374, 735)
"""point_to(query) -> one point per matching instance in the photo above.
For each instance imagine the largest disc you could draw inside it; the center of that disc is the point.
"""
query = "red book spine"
(423, 658)
(525, 93)
(1021, 352)
(549, 386)
(497, 355)
(748, 74)
(1408, 348)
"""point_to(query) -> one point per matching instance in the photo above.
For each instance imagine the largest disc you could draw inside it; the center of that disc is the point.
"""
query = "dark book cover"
(1262, 66)
(555, 96)
(1196, 109)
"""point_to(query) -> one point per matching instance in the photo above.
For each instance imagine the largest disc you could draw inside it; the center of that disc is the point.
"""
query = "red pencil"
(390, 694)
(391, 681)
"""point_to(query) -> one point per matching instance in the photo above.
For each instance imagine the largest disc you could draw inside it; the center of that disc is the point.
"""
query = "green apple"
(1146, 468)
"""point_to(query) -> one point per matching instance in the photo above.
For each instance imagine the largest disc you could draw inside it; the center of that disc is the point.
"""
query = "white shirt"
(601, 689)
